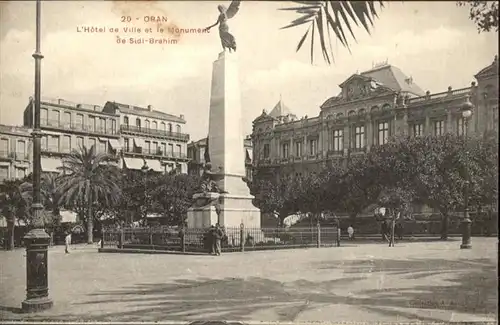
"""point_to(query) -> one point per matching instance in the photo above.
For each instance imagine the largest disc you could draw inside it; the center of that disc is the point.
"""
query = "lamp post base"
(36, 304)
(465, 246)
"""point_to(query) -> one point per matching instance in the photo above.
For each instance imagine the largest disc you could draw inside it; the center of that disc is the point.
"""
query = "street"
(432, 281)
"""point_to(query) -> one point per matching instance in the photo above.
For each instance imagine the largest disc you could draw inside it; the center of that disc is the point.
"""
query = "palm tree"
(14, 204)
(338, 17)
(326, 17)
(87, 178)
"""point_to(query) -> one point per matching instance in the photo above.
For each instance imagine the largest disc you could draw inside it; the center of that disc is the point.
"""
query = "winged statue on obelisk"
(226, 38)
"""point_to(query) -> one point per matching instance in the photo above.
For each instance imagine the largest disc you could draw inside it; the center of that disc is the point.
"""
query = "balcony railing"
(444, 94)
(5, 154)
(158, 153)
(76, 127)
(162, 133)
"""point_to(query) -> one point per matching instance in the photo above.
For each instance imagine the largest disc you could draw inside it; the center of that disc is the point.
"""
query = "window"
(125, 120)
(169, 127)
(45, 142)
(102, 146)
(266, 150)
(126, 144)
(102, 125)
(155, 148)
(20, 172)
(178, 128)
(54, 118)
(66, 144)
(113, 126)
(313, 146)
(438, 127)
(4, 147)
(4, 172)
(155, 125)
(418, 130)
(170, 149)
(21, 149)
(146, 124)
(163, 126)
(148, 146)
(138, 122)
(79, 142)
(92, 143)
(298, 148)
(79, 121)
(383, 132)
(92, 123)
(54, 143)
(67, 119)
(461, 126)
(338, 140)
(44, 116)
(285, 149)
(178, 150)
(164, 148)
(359, 137)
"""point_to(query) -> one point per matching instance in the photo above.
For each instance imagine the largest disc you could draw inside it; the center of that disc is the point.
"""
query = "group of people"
(214, 239)
(386, 230)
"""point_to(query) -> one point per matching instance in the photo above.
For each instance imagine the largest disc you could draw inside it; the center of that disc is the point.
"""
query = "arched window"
(155, 125)
(178, 128)
(146, 124)
(169, 127)
(138, 122)
(125, 120)
(163, 126)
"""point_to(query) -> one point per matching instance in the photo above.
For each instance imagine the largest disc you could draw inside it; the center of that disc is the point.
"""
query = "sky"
(433, 42)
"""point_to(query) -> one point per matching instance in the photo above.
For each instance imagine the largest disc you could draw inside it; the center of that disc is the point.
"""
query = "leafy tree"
(360, 184)
(86, 177)
(483, 13)
(14, 204)
(173, 195)
(278, 196)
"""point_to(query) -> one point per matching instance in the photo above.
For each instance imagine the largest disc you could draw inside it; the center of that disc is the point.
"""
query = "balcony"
(6, 154)
(156, 153)
(76, 127)
(159, 133)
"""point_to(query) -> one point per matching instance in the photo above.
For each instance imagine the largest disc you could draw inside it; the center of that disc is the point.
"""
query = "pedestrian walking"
(67, 241)
(350, 232)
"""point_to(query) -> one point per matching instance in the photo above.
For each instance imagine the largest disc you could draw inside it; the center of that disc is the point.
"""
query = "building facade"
(371, 107)
(135, 136)
(15, 152)
(196, 154)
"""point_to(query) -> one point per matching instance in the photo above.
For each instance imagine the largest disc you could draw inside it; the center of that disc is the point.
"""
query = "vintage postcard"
(248, 162)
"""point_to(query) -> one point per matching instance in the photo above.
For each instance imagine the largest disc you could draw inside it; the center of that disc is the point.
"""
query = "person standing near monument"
(219, 234)
(67, 241)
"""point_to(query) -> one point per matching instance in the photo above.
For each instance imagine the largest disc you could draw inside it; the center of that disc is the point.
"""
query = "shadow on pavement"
(470, 287)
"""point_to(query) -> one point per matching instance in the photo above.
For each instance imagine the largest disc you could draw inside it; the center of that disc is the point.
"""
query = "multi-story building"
(196, 155)
(371, 107)
(152, 136)
(15, 152)
(67, 126)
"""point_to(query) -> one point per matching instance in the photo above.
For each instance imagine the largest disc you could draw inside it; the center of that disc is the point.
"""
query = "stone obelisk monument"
(226, 151)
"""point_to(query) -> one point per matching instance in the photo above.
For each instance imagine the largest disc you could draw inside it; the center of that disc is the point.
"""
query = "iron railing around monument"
(236, 239)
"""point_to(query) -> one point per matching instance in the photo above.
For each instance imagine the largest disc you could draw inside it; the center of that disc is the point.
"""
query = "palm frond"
(336, 16)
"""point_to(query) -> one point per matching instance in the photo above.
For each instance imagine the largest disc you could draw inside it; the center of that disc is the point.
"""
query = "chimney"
(182, 116)
(150, 108)
(78, 105)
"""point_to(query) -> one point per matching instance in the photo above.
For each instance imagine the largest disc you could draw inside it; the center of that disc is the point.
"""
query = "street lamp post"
(144, 170)
(467, 109)
(37, 240)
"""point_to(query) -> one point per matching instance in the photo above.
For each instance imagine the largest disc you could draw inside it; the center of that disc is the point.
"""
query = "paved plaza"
(432, 281)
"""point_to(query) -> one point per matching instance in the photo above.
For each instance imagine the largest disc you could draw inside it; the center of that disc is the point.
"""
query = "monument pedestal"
(226, 151)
